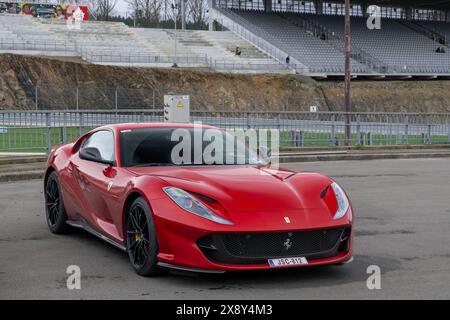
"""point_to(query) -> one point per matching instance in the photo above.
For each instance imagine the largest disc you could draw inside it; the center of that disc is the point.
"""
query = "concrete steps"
(366, 153)
(14, 168)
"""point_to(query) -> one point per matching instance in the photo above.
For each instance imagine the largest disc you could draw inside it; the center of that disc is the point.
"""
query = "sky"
(121, 7)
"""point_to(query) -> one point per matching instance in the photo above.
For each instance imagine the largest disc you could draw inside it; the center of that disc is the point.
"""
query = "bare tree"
(146, 11)
(174, 10)
(165, 8)
(196, 11)
(102, 9)
(150, 10)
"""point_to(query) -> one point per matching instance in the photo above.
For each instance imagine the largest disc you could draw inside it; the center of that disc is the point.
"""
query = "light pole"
(175, 16)
(135, 13)
(348, 100)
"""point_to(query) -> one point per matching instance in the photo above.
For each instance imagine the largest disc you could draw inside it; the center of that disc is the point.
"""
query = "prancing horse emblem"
(287, 244)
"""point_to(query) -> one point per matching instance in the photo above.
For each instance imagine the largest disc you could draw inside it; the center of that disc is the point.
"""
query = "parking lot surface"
(402, 225)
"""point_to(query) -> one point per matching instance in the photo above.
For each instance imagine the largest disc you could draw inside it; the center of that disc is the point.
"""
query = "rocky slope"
(59, 82)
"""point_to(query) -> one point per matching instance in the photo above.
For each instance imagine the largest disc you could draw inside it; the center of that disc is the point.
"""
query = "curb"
(21, 160)
(39, 174)
(379, 156)
(11, 177)
(406, 147)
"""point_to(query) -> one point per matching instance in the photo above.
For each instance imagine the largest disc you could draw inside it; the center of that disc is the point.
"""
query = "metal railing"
(143, 58)
(37, 45)
(223, 64)
(40, 130)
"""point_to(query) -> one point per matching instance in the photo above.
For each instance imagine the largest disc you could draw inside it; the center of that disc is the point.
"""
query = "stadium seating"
(442, 28)
(318, 55)
(117, 44)
(215, 46)
(22, 33)
(102, 42)
(399, 47)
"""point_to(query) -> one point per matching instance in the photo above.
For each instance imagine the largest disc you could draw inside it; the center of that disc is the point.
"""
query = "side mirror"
(264, 153)
(93, 154)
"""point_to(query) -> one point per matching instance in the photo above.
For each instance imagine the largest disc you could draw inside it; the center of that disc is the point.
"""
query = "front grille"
(258, 247)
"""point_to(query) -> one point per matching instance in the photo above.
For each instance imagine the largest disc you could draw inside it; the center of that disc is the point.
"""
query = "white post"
(36, 97)
(115, 98)
(77, 98)
(175, 15)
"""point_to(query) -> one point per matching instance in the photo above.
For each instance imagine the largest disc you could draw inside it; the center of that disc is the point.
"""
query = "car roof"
(148, 125)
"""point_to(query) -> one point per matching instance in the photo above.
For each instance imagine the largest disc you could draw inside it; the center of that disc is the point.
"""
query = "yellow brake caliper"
(138, 236)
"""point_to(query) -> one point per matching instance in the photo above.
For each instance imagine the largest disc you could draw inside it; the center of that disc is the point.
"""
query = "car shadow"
(303, 277)
(314, 276)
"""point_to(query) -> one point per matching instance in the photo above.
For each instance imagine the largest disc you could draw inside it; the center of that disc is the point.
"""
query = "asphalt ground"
(402, 226)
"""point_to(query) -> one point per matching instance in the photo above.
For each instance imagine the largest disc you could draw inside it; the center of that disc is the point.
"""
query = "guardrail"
(40, 130)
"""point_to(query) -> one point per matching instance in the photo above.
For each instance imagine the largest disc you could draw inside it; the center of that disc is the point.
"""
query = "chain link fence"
(40, 130)
(88, 96)
(92, 96)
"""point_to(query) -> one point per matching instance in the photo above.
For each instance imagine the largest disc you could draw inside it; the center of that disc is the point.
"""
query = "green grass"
(318, 139)
(35, 139)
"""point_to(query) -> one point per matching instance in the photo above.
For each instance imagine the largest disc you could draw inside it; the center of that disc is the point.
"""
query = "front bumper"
(181, 238)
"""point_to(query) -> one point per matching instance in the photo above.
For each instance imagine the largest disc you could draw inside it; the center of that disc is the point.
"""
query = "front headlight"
(342, 201)
(191, 204)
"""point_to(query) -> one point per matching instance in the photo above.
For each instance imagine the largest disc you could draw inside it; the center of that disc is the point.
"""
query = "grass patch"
(35, 139)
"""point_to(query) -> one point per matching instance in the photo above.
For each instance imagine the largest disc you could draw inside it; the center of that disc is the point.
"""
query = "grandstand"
(25, 35)
(114, 43)
(310, 33)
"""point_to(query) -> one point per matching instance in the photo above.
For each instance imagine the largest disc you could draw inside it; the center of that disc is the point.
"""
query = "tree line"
(151, 13)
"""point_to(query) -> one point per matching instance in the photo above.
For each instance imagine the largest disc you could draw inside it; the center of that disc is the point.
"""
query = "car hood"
(246, 188)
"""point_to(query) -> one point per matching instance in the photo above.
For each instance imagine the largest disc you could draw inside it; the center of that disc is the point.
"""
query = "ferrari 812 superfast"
(233, 211)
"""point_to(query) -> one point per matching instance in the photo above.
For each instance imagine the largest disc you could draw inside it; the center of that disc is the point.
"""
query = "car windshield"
(182, 147)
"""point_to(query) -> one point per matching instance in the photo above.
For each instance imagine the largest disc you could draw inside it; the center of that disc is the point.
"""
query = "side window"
(103, 141)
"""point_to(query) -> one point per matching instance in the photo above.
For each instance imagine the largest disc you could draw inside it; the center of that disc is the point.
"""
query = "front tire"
(56, 215)
(142, 246)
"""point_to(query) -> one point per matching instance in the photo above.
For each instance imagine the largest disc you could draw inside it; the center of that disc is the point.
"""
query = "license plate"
(297, 261)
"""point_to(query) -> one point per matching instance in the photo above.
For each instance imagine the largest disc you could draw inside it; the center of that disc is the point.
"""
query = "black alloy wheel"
(141, 240)
(55, 212)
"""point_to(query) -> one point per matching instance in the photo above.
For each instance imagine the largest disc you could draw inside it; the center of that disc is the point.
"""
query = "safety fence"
(40, 130)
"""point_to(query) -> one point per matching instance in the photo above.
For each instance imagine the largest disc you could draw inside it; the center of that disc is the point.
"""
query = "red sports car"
(121, 183)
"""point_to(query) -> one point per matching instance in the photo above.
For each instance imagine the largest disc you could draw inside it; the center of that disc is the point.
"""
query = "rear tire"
(141, 242)
(56, 215)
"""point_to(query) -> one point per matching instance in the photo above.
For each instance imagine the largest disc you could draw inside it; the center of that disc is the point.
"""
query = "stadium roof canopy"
(432, 4)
